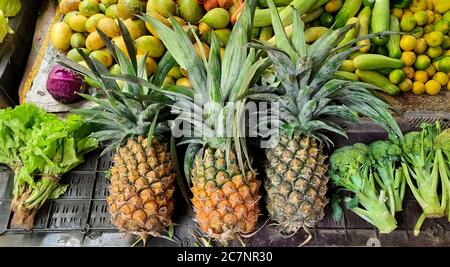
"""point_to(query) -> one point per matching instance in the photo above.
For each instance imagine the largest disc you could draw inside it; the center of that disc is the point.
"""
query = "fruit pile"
(78, 29)
(425, 54)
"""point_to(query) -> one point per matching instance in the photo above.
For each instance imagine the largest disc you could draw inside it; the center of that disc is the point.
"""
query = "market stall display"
(328, 65)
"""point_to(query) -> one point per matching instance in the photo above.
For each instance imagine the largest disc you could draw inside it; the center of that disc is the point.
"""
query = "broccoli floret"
(385, 155)
(443, 141)
(350, 169)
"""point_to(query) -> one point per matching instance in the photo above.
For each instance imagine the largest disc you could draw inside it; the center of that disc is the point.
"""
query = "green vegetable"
(374, 62)
(400, 3)
(378, 80)
(326, 20)
(385, 156)
(393, 44)
(345, 75)
(369, 3)
(4, 27)
(350, 168)
(421, 167)
(352, 34)
(348, 10)
(443, 144)
(313, 15)
(39, 147)
(263, 3)
(364, 28)
(10, 7)
(380, 19)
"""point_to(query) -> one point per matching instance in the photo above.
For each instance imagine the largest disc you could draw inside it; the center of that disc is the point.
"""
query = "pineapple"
(127, 120)
(224, 185)
(312, 104)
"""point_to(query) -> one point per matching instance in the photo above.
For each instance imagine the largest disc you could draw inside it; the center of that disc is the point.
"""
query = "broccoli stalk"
(442, 143)
(350, 168)
(385, 155)
(420, 163)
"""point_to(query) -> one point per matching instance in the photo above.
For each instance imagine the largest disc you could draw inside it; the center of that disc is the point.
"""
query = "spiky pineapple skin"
(142, 185)
(225, 202)
(296, 182)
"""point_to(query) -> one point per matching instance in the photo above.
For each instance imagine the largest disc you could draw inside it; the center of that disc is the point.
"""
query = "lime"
(78, 23)
(168, 81)
(60, 35)
(446, 43)
(418, 88)
(326, 20)
(89, 8)
(108, 2)
(102, 57)
(151, 45)
(422, 62)
(184, 82)
(133, 28)
(77, 40)
(111, 12)
(102, 7)
(408, 42)
(434, 52)
(397, 76)
(433, 87)
(115, 69)
(418, 32)
(406, 85)
(442, 26)
(446, 16)
(421, 18)
(75, 56)
(175, 72)
(217, 18)
(421, 46)
(434, 39)
(69, 15)
(92, 22)
(141, 26)
(444, 65)
(94, 42)
(441, 77)
(223, 35)
(109, 27)
(408, 58)
(428, 28)
(407, 24)
(165, 7)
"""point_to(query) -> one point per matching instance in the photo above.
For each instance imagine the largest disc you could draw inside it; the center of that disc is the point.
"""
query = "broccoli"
(385, 155)
(350, 167)
(442, 143)
(420, 163)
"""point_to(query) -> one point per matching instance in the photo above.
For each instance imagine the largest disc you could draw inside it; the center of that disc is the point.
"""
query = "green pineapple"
(224, 185)
(312, 104)
(130, 119)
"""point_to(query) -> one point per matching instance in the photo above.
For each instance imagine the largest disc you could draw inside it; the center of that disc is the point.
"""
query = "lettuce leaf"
(10, 7)
(4, 27)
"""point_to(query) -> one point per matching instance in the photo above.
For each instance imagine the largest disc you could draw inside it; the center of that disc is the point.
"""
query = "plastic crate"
(80, 217)
(17, 48)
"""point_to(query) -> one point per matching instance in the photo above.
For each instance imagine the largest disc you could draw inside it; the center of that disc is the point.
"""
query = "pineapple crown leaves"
(312, 101)
(222, 85)
(138, 110)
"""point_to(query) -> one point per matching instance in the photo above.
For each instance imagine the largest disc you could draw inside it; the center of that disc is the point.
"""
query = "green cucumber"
(375, 62)
(364, 27)
(345, 75)
(374, 78)
(381, 19)
(348, 10)
(393, 44)
(352, 34)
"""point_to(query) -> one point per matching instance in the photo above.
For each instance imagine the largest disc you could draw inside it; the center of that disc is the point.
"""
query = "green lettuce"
(10, 7)
(40, 147)
(4, 27)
